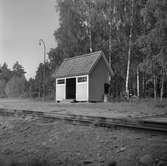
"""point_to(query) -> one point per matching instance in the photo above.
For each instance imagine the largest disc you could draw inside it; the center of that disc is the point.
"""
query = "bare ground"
(61, 143)
(135, 109)
(25, 138)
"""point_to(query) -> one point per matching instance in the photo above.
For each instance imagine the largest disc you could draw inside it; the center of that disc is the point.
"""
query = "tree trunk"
(128, 68)
(138, 86)
(143, 85)
(110, 37)
(39, 94)
(162, 86)
(90, 38)
(89, 30)
(109, 49)
(129, 53)
(155, 87)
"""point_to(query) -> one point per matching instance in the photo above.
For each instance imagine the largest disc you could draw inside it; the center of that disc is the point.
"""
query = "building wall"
(60, 90)
(97, 78)
(81, 89)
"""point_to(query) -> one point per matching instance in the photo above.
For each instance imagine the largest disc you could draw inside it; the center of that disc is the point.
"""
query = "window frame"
(82, 79)
(60, 81)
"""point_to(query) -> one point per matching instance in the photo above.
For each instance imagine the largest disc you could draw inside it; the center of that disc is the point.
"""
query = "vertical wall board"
(60, 90)
(82, 89)
(97, 78)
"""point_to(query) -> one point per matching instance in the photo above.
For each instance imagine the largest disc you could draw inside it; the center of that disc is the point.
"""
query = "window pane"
(60, 81)
(82, 79)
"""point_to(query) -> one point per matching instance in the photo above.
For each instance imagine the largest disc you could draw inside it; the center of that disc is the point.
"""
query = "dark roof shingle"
(78, 65)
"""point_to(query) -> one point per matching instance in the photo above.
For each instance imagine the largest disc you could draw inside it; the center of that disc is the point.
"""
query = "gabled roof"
(80, 65)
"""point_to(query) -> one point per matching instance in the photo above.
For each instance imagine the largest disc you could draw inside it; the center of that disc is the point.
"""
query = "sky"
(22, 24)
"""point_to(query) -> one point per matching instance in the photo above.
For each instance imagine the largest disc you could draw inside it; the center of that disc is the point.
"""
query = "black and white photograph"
(83, 82)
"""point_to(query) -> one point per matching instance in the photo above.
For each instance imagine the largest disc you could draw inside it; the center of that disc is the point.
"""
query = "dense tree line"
(12, 82)
(35, 86)
(132, 34)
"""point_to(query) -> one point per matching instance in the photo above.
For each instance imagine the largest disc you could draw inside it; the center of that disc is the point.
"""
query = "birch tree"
(129, 48)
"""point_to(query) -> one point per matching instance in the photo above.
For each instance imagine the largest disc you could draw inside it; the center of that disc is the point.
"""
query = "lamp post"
(41, 42)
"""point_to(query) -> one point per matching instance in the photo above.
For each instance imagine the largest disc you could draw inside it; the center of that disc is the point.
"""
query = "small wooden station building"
(82, 78)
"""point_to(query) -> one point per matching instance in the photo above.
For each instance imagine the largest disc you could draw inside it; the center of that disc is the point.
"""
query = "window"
(82, 79)
(60, 81)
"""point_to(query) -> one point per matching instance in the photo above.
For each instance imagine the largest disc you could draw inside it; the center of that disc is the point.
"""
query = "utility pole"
(41, 42)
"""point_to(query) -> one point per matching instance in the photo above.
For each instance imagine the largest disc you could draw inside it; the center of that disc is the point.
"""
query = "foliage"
(5, 72)
(18, 69)
(12, 82)
(35, 87)
(107, 26)
(153, 42)
(55, 58)
(15, 86)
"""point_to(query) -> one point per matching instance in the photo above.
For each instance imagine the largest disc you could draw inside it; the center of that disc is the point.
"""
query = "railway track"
(137, 124)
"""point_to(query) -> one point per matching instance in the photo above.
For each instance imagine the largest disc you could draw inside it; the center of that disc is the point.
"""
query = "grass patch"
(32, 162)
(160, 105)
